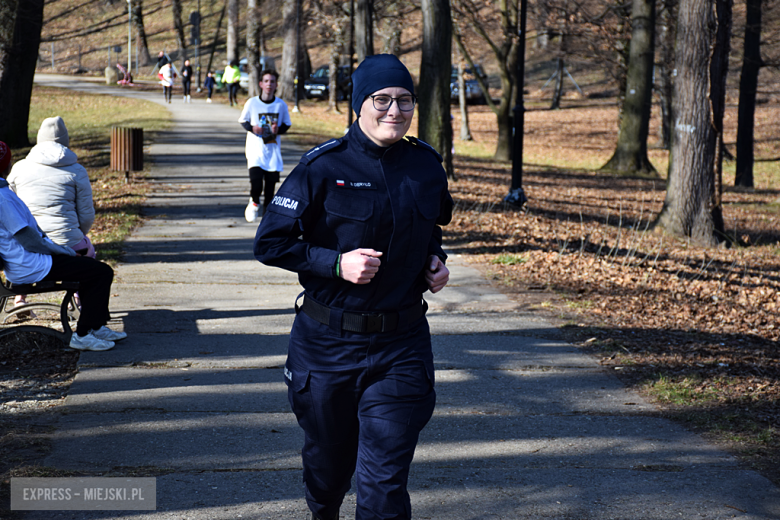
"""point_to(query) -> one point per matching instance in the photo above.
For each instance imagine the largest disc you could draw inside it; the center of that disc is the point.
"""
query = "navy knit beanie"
(378, 72)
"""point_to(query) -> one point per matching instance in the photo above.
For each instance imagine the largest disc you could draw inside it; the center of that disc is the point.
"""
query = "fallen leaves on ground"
(655, 307)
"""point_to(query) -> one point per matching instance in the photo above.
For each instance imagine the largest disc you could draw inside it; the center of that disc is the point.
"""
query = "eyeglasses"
(383, 102)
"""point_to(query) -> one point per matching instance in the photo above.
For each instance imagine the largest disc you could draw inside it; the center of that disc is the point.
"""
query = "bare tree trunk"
(254, 21)
(305, 65)
(558, 90)
(8, 12)
(232, 31)
(622, 49)
(693, 197)
(178, 25)
(333, 71)
(665, 67)
(140, 33)
(630, 155)
(287, 72)
(216, 37)
(351, 59)
(748, 84)
(304, 61)
(434, 125)
(20, 36)
(506, 54)
(465, 131)
(543, 33)
(393, 42)
(364, 29)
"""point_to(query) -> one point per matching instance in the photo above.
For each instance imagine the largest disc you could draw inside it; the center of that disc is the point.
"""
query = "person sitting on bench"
(28, 256)
(56, 190)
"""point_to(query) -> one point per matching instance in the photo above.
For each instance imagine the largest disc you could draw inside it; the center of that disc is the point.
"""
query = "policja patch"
(287, 205)
(285, 202)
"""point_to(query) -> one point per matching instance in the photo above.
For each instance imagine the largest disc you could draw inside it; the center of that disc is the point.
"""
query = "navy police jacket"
(350, 193)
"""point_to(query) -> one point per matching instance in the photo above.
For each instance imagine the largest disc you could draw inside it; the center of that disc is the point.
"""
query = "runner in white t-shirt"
(265, 118)
(167, 76)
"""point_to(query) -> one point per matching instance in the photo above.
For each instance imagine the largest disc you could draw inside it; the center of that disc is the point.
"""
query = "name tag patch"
(358, 185)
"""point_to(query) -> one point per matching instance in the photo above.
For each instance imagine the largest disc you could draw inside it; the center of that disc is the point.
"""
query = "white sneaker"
(251, 211)
(107, 334)
(90, 342)
(208, 100)
(189, 99)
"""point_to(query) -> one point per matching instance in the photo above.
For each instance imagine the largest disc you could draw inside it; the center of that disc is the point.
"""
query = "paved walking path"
(525, 427)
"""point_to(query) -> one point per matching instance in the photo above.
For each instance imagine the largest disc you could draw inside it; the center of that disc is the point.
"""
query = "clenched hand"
(437, 275)
(360, 266)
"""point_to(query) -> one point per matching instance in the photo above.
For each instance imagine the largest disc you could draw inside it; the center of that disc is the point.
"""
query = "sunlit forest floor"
(694, 328)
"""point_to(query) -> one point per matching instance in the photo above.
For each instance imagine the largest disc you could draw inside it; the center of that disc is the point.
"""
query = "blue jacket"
(350, 193)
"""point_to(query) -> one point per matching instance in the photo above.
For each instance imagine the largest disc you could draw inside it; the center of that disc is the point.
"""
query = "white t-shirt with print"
(267, 156)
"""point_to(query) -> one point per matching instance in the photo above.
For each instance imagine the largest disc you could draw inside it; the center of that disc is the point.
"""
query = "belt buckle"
(374, 322)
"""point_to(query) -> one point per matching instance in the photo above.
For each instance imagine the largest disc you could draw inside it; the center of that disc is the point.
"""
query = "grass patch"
(89, 116)
(475, 149)
(579, 304)
(755, 433)
(680, 391)
(509, 259)
(315, 124)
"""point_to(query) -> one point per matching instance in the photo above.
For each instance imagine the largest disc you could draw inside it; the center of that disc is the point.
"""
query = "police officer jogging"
(359, 219)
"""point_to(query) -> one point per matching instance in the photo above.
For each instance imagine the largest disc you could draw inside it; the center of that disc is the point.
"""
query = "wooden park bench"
(67, 308)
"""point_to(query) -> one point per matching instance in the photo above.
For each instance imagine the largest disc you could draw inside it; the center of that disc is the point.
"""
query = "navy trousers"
(362, 400)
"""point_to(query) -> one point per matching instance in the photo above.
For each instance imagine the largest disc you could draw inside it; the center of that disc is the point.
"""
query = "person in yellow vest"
(231, 77)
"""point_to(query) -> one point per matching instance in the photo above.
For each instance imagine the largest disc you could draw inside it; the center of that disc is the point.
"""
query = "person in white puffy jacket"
(56, 188)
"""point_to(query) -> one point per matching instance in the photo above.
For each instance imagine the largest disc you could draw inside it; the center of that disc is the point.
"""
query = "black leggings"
(186, 85)
(94, 279)
(233, 92)
(256, 177)
(167, 92)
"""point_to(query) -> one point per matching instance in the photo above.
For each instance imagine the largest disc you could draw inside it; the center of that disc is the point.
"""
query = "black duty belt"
(365, 323)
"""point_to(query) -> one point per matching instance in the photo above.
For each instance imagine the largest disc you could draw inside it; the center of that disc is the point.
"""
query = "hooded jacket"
(57, 191)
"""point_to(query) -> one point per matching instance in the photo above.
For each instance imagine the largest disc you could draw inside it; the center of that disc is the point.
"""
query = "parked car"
(317, 85)
(473, 92)
(265, 63)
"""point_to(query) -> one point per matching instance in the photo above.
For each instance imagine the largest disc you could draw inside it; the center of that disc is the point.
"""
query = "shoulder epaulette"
(318, 150)
(425, 146)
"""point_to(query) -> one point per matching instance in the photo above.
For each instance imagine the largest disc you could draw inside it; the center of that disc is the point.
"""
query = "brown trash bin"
(127, 150)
